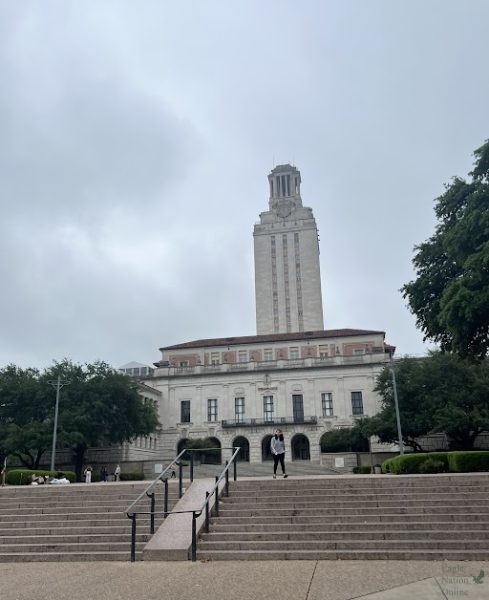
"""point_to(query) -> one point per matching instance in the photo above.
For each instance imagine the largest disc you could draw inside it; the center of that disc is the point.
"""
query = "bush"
(468, 462)
(438, 462)
(138, 476)
(362, 470)
(411, 463)
(24, 476)
(432, 465)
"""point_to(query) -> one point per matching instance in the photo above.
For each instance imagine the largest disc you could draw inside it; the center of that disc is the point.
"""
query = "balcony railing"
(269, 422)
(269, 365)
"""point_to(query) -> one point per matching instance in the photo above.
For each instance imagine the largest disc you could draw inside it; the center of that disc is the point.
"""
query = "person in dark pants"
(277, 446)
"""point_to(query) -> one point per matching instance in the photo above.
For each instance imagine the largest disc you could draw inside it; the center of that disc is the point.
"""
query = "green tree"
(450, 295)
(99, 407)
(25, 415)
(345, 439)
(439, 393)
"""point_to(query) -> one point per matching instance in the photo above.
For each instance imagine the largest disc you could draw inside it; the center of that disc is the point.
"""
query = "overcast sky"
(136, 139)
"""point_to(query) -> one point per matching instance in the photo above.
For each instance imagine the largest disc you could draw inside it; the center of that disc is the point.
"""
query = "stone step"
(270, 494)
(62, 510)
(114, 520)
(438, 555)
(71, 548)
(75, 501)
(346, 511)
(340, 502)
(390, 482)
(330, 535)
(61, 557)
(85, 528)
(347, 544)
(352, 527)
(70, 538)
(354, 518)
(31, 519)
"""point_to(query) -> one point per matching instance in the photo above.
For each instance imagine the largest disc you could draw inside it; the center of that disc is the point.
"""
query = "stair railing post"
(216, 505)
(206, 523)
(133, 536)
(235, 467)
(227, 480)
(152, 516)
(191, 465)
(194, 536)
(180, 479)
(165, 505)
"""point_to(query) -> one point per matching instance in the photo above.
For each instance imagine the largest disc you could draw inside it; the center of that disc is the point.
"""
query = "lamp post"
(58, 384)
(396, 404)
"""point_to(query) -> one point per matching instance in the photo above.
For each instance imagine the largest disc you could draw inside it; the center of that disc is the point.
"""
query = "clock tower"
(287, 274)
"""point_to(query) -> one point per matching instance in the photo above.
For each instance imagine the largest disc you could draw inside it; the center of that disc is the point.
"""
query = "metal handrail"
(132, 514)
(159, 478)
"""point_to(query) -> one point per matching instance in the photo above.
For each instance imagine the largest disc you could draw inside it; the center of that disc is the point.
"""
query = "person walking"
(117, 473)
(277, 445)
(88, 474)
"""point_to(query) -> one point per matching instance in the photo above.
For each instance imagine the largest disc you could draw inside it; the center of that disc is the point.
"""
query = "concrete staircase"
(422, 517)
(76, 522)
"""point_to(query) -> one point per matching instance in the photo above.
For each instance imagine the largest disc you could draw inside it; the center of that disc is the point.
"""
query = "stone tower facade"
(287, 275)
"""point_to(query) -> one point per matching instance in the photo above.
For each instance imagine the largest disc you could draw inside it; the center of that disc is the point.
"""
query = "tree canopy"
(99, 407)
(450, 295)
(438, 393)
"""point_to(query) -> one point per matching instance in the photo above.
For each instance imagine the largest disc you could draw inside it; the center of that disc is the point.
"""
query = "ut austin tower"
(287, 274)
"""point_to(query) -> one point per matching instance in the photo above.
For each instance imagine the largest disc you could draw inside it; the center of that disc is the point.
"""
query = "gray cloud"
(135, 143)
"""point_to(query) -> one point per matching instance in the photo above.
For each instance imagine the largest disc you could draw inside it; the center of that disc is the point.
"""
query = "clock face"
(284, 209)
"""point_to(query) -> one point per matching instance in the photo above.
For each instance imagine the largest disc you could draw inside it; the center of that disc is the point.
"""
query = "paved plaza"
(287, 580)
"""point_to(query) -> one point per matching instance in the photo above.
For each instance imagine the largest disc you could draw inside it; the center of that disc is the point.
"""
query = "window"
(184, 363)
(214, 358)
(239, 409)
(268, 354)
(268, 408)
(358, 352)
(212, 409)
(356, 403)
(298, 408)
(294, 353)
(327, 404)
(323, 352)
(242, 356)
(185, 411)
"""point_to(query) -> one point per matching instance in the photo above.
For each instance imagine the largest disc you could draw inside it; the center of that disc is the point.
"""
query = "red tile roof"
(273, 337)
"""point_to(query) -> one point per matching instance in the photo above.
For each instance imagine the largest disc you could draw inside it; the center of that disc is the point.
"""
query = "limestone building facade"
(237, 390)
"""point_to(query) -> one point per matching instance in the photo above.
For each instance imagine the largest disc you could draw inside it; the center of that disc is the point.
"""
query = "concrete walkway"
(248, 580)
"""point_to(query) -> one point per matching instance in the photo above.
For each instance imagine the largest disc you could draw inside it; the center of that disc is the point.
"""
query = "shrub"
(468, 462)
(438, 462)
(24, 476)
(432, 465)
(137, 476)
(411, 463)
(361, 470)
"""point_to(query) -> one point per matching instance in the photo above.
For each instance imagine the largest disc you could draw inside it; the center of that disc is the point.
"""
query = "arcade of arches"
(299, 444)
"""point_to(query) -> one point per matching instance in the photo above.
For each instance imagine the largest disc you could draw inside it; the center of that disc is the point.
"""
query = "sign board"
(158, 468)
(339, 462)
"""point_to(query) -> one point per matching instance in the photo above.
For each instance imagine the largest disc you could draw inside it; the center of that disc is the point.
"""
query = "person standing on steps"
(277, 446)
(88, 474)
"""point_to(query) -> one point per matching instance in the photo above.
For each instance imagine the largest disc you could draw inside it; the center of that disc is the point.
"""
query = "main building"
(293, 373)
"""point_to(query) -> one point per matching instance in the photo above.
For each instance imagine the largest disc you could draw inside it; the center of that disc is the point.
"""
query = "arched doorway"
(266, 451)
(243, 443)
(212, 457)
(300, 447)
